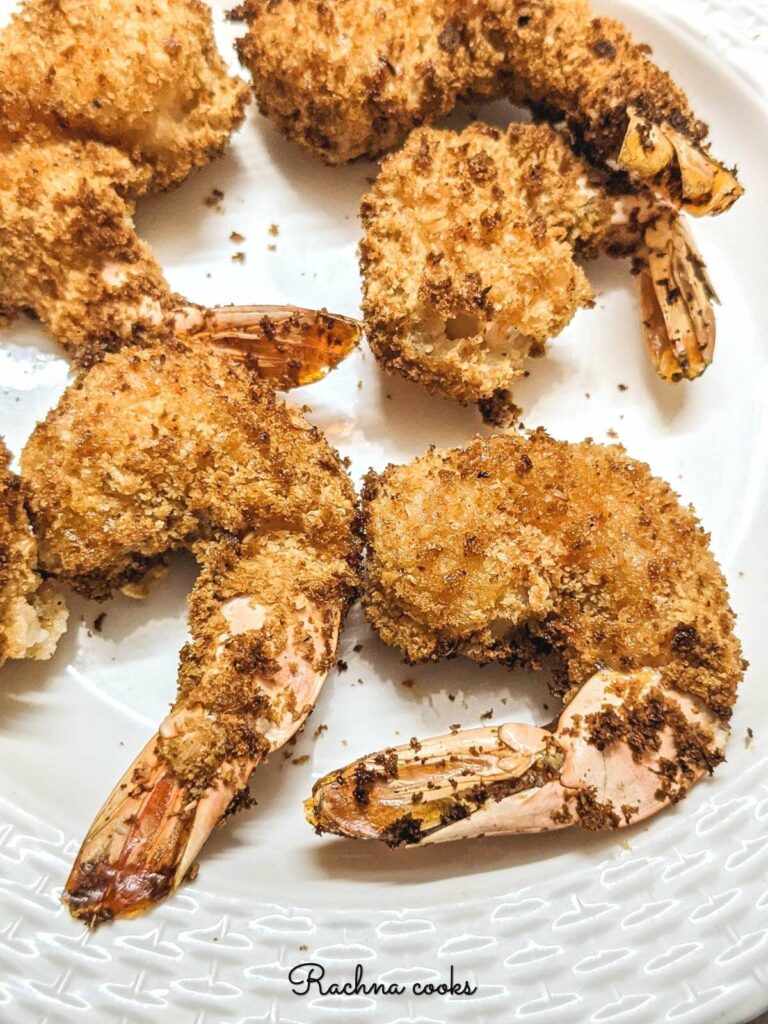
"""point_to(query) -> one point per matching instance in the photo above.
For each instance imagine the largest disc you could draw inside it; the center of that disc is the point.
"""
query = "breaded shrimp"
(348, 80)
(102, 102)
(468, 260)
(33, 614)
(519, 550)
(561, 60)
(183, 446)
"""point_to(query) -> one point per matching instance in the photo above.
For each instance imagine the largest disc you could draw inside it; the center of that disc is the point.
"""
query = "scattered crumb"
(214, 199)
(359, 682)
(98, 622)
(319, 731)
(193, 872)
(300, 760)
(235, 236)
(344, 743)
(341, 665)
(612, 433)
(487, 715)
(750, 737)
(546, 707)
(451, 697)
(274, 230)
(359, 385)
(455, 728)
(303, 948)
(623, 387)
(409, 683)
(587, 395)
(357, 648)
(272, 248)
(238, 257)
(504, 701)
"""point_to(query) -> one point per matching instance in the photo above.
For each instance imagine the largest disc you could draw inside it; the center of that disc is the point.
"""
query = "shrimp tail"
(660, 153)
(676, 297)
(145, 839)
(286, 345)
(595, 770)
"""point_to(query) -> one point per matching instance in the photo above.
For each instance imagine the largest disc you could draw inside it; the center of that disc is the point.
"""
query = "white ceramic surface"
(667, 922)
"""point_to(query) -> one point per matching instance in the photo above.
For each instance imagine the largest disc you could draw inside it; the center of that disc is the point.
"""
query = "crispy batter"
(468, 254)
(514, 548)
(142, 75)
(101, 102)
(32, 612)
(70, 251)
(346, 79)
(156, 450)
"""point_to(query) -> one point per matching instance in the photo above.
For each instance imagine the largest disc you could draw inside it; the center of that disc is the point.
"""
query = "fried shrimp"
(346, 80)
(184, 446)
(102, 102)
(524, 551)
(468, 260)
(33, 615)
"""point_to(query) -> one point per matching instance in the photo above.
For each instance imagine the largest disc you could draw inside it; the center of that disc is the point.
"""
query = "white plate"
(667, 922)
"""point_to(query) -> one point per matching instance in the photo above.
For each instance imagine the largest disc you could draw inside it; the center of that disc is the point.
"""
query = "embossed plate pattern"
(665, 923)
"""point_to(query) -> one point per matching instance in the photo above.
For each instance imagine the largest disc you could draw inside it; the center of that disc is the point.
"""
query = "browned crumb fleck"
(272, 248)
(612, 433)
(319, 731)
(214, 198)
(300, 760)
(409, 683)
(303, 948)
(274, 230)
(486, 715)
(235, 236)
(238, 257)
(98, 622)
(341, 665)
(193, 872)
(455, 728)
(750, 737)
(357, 648)
(451, 697)
(623, 387)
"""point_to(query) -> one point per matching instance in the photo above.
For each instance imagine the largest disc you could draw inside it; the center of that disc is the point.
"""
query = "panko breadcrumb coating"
(468, 260)
(32, 612)
(102, 102)
(462, 276)
(71, 253)
(347, 79)
(142, 75)
(517, 548)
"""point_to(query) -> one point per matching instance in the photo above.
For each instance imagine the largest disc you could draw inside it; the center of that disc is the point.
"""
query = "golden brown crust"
(142, 75)
(468, 254)
(344, 79)
(32, 612)
(514, 548)
(70, 251)
(560, 58)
